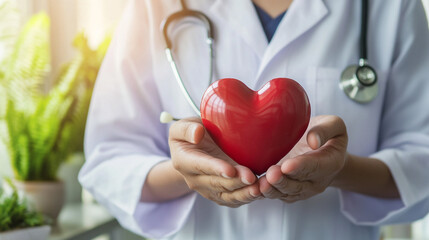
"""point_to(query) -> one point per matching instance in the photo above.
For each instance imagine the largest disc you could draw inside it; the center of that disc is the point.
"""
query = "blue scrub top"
(268, 23)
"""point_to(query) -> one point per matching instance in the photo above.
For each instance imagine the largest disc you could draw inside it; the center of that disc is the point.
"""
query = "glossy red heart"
(255, 128)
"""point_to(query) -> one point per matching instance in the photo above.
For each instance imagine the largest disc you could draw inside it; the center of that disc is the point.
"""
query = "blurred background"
(87, 24)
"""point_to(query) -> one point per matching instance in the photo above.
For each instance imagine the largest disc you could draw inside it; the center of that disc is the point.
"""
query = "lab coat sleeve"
(404, 131)
(124, 138)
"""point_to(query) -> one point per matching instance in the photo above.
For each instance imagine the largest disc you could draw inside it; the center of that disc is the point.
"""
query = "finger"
(303, 167)
(190, 130)
(324, 162)
(193, 161)
(240, 196)
(330, 132)
(300, 196)
(215, 183)
(292, 198)
(328, 127)
(264, 185)
(291, 187)
(245, 174)
(274, 174)
(283, 184)
(267, 190)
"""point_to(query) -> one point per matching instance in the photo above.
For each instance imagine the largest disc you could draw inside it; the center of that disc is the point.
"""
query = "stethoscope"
(177, 16)
(359, 82)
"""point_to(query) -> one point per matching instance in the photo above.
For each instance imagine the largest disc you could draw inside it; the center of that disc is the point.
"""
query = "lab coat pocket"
(362, 120)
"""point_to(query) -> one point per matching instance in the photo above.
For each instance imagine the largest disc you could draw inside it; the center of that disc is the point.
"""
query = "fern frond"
(42, 130)
(68, 80)
(88, 75)
(102, 48)
(61, 152)
(3, 99)
(15, 214)
(39, 130)
(79, 120)
(58, 155)
(23, 161)
(9, 25)
(29, 63)
(16, 125)
(51, 113)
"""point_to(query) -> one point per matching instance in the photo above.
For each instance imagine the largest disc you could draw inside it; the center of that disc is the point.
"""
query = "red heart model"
(255, 129)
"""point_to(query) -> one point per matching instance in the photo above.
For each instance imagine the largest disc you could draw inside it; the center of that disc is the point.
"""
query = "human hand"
(207, 169)
(311, 165)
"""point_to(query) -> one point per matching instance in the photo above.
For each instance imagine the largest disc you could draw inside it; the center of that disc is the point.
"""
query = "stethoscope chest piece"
(359, 83)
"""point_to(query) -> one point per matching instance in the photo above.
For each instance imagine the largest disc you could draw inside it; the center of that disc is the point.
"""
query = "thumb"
(189, 130)
(327, 128)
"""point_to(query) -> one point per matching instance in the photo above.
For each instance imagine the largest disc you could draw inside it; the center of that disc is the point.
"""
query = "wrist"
(368, 176)
(341, 178)
(164, 183)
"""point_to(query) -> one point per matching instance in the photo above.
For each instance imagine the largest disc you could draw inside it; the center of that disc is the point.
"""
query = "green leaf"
(9, 25)
(23, 161)
(15, 214)
(44, 129)
(26, 68)
(102, 48)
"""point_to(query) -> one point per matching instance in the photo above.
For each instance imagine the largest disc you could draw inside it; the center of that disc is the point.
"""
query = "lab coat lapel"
(301, 16)
(242, 17)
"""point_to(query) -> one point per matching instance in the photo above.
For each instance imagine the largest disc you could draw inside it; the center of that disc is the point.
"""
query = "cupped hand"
(311, 165)
(207, 169)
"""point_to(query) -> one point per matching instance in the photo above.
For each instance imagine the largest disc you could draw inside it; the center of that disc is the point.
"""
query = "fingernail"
(245, 181)
(255, 195)
(225, 176)
(319, 142)
(194, 129)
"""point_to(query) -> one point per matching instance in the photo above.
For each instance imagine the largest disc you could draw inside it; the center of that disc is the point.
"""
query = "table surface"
(83, 221)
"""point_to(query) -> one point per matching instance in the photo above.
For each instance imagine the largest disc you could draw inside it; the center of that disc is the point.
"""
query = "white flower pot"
(44, 197)
(36, 233)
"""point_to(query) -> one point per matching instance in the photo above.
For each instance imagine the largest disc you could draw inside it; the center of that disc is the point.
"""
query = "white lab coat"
(315, 41)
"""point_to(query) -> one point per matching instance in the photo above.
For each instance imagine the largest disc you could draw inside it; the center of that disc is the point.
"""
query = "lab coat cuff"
(161, 220)
(117, 184)
(391, 159)
(367, 210)
(149, 219)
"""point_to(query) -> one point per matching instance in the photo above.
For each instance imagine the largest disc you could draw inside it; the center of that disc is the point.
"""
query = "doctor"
(358, 166)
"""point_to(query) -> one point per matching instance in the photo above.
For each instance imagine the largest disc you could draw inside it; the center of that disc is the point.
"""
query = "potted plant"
(17, 221)
(45, 125)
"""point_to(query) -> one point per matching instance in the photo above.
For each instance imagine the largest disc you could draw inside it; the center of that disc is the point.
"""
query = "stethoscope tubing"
(363, 56)
(179, 79)
(185, 12)
(352, 86)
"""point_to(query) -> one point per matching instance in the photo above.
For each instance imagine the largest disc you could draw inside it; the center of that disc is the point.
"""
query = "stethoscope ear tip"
(165, 117)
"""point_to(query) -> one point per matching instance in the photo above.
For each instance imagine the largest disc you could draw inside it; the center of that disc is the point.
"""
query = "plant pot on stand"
(34, 233)
(46, 197)
(44, 126)
(17, 220)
